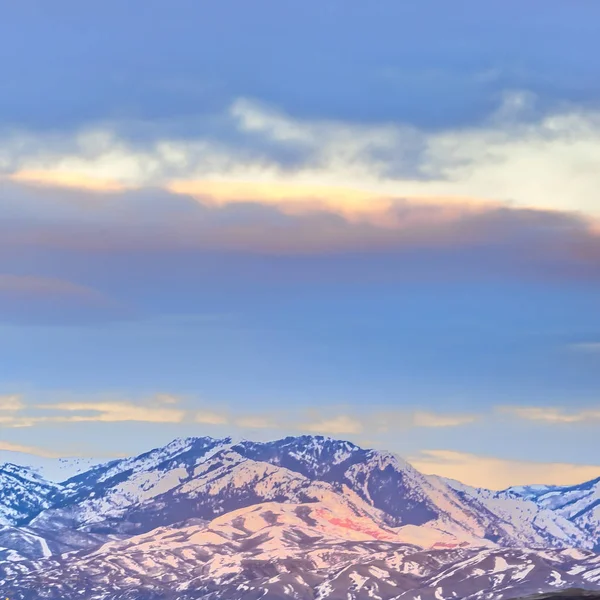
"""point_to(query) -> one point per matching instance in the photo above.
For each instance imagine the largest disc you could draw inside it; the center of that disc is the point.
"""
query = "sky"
(374, 221)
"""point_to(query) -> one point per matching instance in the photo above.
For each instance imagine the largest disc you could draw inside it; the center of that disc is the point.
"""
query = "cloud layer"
(553, 415)
(509, 198)
(358, 171)
(498, 474)
(16, 411)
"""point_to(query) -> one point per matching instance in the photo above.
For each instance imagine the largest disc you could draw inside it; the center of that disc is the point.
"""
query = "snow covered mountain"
(305, 516)
(527, 515)
(578, 504)
(277, 551)
(22, 493)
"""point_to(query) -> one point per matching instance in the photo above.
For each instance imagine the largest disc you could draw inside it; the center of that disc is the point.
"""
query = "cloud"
(11, 403)
(10, 447)
(11, 412)
(169, 408)
(23, 284)
(166, 399)
(378, 421)
(208, 417)
(155, 411)
(67, 180)
(358, 171)
(165, 237)
(551, 415)
(16, 421)
(496, 473)
(255, 422)
(37, 299)
(439, 201)
(429, 419)
(401, 420)
(161, 408)
(491, 472)
(342, 424)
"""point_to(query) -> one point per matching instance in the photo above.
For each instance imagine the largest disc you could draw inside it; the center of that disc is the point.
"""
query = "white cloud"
(497, 473)
(16, 422)
(11, 403)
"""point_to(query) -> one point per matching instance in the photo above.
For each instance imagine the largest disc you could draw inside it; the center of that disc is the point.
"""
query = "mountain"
(303, 516)
(203, 478)
(533, 521)
(578, 504)
(22, 492)
(277, 551)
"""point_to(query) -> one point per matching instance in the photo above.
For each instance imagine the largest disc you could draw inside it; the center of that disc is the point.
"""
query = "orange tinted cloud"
(291, 198)
(10, 447)
(112, 412)
(65, 179)
(354, 204)
(497, 473)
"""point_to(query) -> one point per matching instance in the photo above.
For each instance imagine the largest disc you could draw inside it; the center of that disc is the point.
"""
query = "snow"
(575, 553)
(557, 579)
(46, 552)
(358, 580)
(500, 565)
(523, 572)
(577, 569)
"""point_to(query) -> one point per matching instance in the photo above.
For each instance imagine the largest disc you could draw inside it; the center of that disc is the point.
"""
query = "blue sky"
(377, 222)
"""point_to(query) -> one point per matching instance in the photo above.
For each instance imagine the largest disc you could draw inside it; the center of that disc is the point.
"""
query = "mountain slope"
(289, 551)
(524, 512)
(22, 492)
(578, 504)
